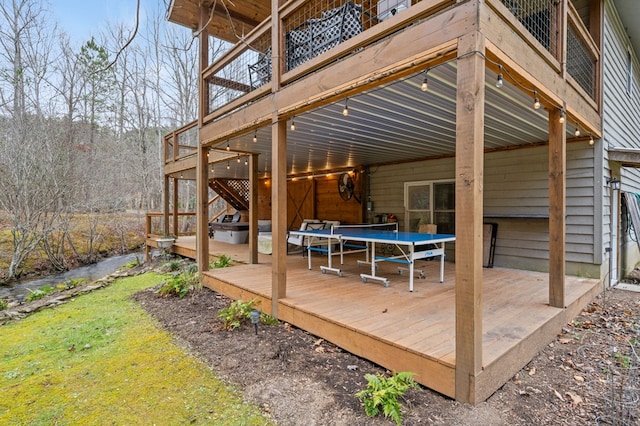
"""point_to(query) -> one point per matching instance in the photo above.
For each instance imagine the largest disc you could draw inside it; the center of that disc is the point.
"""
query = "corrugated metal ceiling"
(395, 123)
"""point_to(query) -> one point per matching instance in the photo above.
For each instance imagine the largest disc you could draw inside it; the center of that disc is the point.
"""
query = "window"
(430, 202)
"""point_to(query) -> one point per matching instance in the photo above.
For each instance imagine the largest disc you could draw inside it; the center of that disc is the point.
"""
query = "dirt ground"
(590, 374)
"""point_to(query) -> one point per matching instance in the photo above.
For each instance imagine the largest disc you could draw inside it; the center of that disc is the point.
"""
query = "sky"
(83, 18)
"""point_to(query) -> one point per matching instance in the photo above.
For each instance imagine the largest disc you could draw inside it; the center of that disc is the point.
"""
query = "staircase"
(233, 191)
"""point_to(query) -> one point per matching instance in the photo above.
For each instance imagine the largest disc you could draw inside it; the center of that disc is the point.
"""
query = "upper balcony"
(315, 34)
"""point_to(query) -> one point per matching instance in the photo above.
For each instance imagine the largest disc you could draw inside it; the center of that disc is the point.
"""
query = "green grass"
(101, 359)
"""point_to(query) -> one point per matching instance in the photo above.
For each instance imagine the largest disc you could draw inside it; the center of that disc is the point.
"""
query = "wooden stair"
(233, 191)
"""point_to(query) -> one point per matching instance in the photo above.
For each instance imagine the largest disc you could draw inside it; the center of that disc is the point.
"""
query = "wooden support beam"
(253, 208)
(557, 208)
(469, 208)
(174, 216)
(165, 201)
(202, 165)
(278, 213)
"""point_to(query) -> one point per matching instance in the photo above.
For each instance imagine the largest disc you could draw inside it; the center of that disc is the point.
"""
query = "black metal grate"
(580, 64)
(538, 17)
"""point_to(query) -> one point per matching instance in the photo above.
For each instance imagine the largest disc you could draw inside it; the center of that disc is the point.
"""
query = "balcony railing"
(181, 143)
(313, 32)
(155, 224)
(541, 19)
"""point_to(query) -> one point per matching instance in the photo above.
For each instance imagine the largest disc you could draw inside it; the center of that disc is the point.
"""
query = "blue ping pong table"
(411, 245)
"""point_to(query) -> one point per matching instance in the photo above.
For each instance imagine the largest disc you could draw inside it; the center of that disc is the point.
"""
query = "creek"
(19, 290)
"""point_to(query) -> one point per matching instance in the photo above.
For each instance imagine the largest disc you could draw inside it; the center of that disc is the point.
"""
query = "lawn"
(100, 359)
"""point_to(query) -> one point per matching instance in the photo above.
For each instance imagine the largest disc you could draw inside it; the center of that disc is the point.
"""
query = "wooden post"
(278, 176)
(165, 202)
(557, 208)
(174, 213)
(202, 165)
(253, 209)
(469, 209)
(278, 214)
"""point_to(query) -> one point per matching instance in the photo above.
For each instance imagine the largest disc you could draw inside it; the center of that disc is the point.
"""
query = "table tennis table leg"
(442, 265)
(411, 262)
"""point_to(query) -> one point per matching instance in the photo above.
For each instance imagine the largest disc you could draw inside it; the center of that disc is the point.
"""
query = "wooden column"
(202, 165)
(174, 211)
(253, 209)
(278, 214)
(278, 176)
(469, 210)
(557, 207)
(165, 202)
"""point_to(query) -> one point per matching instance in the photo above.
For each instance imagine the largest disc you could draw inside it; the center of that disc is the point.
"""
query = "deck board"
(402, 330)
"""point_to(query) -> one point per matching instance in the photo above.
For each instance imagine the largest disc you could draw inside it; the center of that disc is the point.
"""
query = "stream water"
(18, 291)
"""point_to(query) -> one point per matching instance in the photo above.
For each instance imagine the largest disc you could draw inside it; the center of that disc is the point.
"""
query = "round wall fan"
(346, 187)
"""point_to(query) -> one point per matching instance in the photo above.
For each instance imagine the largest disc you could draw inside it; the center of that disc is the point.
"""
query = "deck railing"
(309, 29)
(181, 143)
(316, 29)
(542, 19)
(155, 224)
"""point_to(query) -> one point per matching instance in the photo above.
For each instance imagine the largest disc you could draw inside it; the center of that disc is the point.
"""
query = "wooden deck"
(406, 331)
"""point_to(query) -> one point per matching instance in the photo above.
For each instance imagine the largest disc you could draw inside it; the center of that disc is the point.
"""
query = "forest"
(82, 127)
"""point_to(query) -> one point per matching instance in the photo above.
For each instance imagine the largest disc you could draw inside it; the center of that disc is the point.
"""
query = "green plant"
(234, 314)
(222, 262)
(174, 265)
(39, 293)
(382, 392)
(4, 304)
(267, 319)
(72, 283)
(180, 284)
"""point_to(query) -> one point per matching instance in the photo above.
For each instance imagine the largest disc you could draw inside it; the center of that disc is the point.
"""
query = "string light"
(577, 132)
(591, 141)
(255, 136)
(228, 165)
(345, 111)
(562, 116)
(500, 80)
(425, 82)
(228, 148)
(238, 158)
(293, 123)
(246, 162)
(536, 101)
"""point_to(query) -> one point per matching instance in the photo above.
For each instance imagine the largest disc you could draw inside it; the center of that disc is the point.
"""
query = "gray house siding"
(621, 121)
(516, 197)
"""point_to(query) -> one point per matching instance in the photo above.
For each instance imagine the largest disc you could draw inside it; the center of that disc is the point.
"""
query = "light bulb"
(228, 146)
(499, 81)
(293, 124)
(562, 116)
(238, 158)
(255, 137)
(425, 84)
(536, 103)
(591, 141)
(345, 111)
(228, 165)
(577, 132)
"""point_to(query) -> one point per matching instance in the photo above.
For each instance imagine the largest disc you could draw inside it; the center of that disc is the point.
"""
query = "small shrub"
(267, 319)
(383, 393)
(174, 265)
(132, 264)
(180, 285)
(72, 283)
(4, 304)
(39, 293)
(222, 262)
(237, 312)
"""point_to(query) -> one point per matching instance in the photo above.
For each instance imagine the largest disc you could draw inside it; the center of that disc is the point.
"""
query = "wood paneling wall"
(315, 198)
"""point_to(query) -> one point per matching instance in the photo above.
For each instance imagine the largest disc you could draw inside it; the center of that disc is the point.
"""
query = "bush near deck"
(101, 359)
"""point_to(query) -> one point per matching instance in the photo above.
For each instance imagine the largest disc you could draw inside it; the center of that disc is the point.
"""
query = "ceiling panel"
(395, 123)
